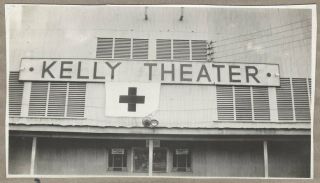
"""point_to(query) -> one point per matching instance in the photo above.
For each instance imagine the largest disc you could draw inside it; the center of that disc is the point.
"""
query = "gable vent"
(225, 106)
(199, 50)
(164, 49)
(104, 48)
(76, 99)
(181, 49)
(15, 94)
(57, 99)
(310, 89)
(38, 99)
(261, 107)
(140, 49)
(284, 100)
(243, 103)
(301, 98)
(122, 48)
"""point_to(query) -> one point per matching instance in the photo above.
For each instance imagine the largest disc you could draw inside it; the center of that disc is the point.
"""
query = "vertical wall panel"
(164, 49)
(284, 100)
(15, 94)
(19, 155)
(71, 157)
(301, 98)
(104, 47)
(228, 159)
(310, 89)
(261, 107)
(225, 103)
(243, 103)
(38, 99)
(289, 158)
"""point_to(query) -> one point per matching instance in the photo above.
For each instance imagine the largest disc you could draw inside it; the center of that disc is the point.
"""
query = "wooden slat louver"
(15, 94)
(301, 98)
(164, 49)
(181, 49)
(310, 89)
(38, 99)
(261, 107)
(122, 48)
(225, 103)
(243, 103)
(199, 49)
(104, 47)
(76, 99)
(140, 49)
(284, 100)
(57, 99)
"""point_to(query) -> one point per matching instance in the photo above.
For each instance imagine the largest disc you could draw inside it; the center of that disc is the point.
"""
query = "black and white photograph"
(185, 91)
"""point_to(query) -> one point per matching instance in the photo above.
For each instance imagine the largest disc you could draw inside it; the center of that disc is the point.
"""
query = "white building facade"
(58, 126)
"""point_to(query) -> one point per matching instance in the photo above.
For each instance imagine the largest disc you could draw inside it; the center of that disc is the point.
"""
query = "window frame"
(112, 157)
(175, 157)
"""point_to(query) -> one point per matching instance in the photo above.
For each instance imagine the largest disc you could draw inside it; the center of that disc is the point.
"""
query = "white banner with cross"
(130, 99)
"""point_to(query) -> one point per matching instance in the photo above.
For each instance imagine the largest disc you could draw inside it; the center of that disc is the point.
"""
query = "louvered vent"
(181, 49)
(76, 99)
(140, 49)
(38, 99)
(310, 89)
(122, 48)
(164, 49)
(104, 48)
(225, 106)
(284, 100)
(261, 107)
(15, 94)
(243, 103)
(199, 50)
(301, 99)
(57, 99)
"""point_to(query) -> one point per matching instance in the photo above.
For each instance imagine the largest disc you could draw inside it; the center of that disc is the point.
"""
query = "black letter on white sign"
(253, 75)
(44, 69)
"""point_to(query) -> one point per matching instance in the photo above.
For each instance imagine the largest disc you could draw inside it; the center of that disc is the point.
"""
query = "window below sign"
(182, 160)
(117, 159)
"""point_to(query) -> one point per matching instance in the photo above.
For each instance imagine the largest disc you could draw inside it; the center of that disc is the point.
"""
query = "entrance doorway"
(141, 160)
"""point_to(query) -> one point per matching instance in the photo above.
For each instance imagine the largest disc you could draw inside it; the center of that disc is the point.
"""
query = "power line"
(237, 42)
(217, 52)
(275, 45)
(274, 27)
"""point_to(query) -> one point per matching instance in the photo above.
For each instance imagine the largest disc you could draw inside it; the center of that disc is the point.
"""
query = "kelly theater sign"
(166, 72)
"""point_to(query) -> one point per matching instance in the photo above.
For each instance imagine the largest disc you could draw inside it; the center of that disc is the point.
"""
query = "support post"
(33, 155)
(265, 155)
(150, 156)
